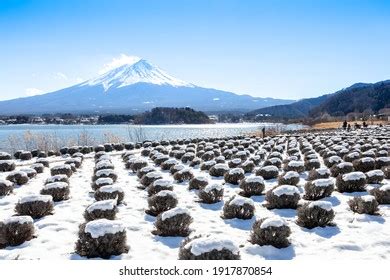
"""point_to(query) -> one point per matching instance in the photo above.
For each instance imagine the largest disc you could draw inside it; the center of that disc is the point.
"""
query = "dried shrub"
(103, 246)
(110, 192)
(289, 178)
(364, 205)
(351, 182)
(248, 166)
(208, 248)
(319, 173)
(36, 206)
(183, 175)
(364, 164)
(74, 161)
(295, 165)
(18, 177)
(25, 155)
(159, 185)
(318, 189)
(234, 163)
(315, 214)
(341, 168)
(381, 194)
(174, 222)
(144, 170)
(38, 167)
(352, 156)
(211, 194)
(65, 169)
(197, 183)
(5, 156)
(6, 187)
(268, 172)
(332, 160)
(386, 172)
(205, 166)
(105, 209)
(238, 207)
(161, 202)
(218, 170)
(252, 185)
(31, 172)
(195, 162)
(16, 230)
(101, 182)
(270, 231)
(382, 162)
(311, 164)
(58, 190)
(166, 165)
(375, 176)
(57, 178)
(138, 164)
(234, 176)
(105, 173)
(284, 196)
(7, 165)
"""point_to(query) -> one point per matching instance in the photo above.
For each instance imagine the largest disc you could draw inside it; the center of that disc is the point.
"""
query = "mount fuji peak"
(139, 71)
(134, 87)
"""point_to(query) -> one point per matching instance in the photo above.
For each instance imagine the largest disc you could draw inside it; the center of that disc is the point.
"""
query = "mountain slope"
(356, 98)
(299, 109)
(132, 88)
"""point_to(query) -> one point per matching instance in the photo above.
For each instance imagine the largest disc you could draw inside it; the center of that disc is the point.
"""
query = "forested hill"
(165, 115)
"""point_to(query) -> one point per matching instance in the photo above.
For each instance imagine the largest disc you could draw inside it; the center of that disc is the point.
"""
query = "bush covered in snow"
(57, 178)
(272, 231)
(233, 176)
(248, 166)
(31, 173)
(381, 194)
(183, 175)
(105, 209)
(218, 170)
(105, 173)
(319, 173)
(58, 190)
(381, 162)
(38, 167)
(25, 155)
(65, 169)
(238, 207)
(6, 187)
(208, 248)
(295, 165)
(366, 204)
(375, 176)
(101, 238)
(16, 230)
(212, 193)
(18, 177)
(268, 172)
(150, 177)
(110, 192)
(144, 170)
(159, 185)
(315, 214)
(101, 182)
(7, 165)
(289, 178)
(351, 182)
(205, 166)
(364, 164)
(252, 185)
(312, 163)
(341, 168)
(174, 222)
(284, 196)
(36, 206)
(318, 189)
(197, 183)
(161, 201)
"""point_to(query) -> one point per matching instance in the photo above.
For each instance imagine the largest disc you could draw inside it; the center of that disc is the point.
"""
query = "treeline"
(164, 115)
(115, 119)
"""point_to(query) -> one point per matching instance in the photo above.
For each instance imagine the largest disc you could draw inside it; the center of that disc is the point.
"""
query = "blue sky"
(281, 49)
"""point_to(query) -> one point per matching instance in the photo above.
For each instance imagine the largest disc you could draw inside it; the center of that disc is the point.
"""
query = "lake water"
(28, 136)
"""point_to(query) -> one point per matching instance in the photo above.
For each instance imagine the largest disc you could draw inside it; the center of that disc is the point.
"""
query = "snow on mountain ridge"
(140, 71)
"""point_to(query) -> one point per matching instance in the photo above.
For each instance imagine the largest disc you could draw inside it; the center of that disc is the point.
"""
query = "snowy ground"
(355, 236)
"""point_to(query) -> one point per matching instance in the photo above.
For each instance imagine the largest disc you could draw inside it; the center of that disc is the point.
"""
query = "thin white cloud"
(122, 59)
(61, 76)
(79, 80)
(33, 91)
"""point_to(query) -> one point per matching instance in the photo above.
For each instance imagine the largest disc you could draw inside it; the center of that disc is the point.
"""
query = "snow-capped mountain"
(141, 71)
(132, 88)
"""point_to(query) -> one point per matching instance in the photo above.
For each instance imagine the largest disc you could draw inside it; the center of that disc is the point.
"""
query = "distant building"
(384, 116)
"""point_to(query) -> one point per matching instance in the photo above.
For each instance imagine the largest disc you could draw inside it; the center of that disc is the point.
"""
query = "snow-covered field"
(353, 236)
